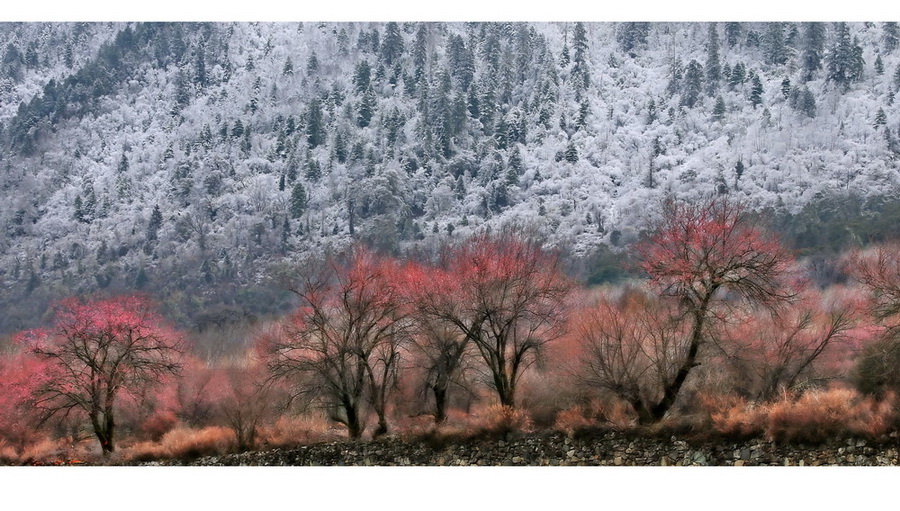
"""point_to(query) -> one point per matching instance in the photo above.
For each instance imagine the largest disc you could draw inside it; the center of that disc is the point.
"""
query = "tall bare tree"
(345, 338)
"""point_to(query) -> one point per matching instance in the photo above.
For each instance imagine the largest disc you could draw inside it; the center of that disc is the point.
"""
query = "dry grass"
(815, 416)
(8, 453)
(184, 442)
(598, 413)
(299, 430)
(500, 421)
(157, 425)
(49, 451)
(575, 419)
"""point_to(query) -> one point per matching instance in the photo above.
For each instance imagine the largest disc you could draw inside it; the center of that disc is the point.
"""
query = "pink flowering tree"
(707, 257)
(503, 295)
(95, 352)
(804, 345)
(344, 342)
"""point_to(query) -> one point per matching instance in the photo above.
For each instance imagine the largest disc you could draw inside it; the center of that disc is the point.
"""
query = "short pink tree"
(95, 351)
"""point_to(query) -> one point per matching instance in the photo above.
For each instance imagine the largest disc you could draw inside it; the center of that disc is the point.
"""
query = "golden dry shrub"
(184, 442)
(820, 415)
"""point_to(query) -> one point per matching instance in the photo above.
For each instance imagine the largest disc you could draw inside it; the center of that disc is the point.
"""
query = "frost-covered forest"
(191, 160)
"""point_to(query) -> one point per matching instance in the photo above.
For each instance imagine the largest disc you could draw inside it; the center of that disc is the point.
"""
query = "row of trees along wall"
(718, 290)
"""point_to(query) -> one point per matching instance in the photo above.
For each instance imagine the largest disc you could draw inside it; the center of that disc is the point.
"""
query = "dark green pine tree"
(879, 65)
(693, 84)
(79, 209)
(732, 33)
(315, 129)
(891, 36)
(515, 161)
(89, 207)
(246, 141)
(844, 60)
(579, 57)
(775, 50)
(738, 75)
(312, 64)
(813, 48)
(571, 153)
(880, 118)
(420, 56)
(786, 87)
(362, 77)
(713, 65)
(676, 76)
(201, 77)
(392, 44)
(719, 109)
(584, 110)
(651, 111)
(237, 131)
(756, 91)
(298, 200)
(340, 147)
(366, 108)
(632, 36)
(313, 170)
(206, 137)
(804, 101)
(564, 58)
(285, 235)
(156, 220)
(461, 62)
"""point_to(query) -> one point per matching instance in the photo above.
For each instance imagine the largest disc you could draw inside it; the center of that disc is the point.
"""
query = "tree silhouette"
(697, 253)
(97, 350)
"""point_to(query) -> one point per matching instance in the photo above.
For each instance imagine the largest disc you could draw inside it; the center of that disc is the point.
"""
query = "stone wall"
(548, 449)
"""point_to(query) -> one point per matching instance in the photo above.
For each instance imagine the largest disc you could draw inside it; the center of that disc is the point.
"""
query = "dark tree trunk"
(104, 430)
(671, 390)
(382, 427)
(440, 403)
(354, 425)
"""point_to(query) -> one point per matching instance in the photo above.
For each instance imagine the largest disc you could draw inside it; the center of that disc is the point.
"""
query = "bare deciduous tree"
(345, 338)
(697, 254)
(94, 351)
(506, 297)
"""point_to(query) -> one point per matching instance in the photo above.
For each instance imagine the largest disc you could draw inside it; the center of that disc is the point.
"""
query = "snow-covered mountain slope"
(188, 159)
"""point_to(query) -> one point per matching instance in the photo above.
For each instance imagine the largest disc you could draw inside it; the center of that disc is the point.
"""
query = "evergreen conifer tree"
(571, 153)
(891, 36)
(880, 118)
(756, 91)
(813, 48)
(719, 109)
(845, 61)
(315, 129)
(713, 65)
(776, 52)
(693, 84)
(392, 44)
(298, 200)
(732, 33)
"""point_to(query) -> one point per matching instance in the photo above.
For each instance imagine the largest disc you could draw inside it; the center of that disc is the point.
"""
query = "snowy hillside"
(189, 160)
